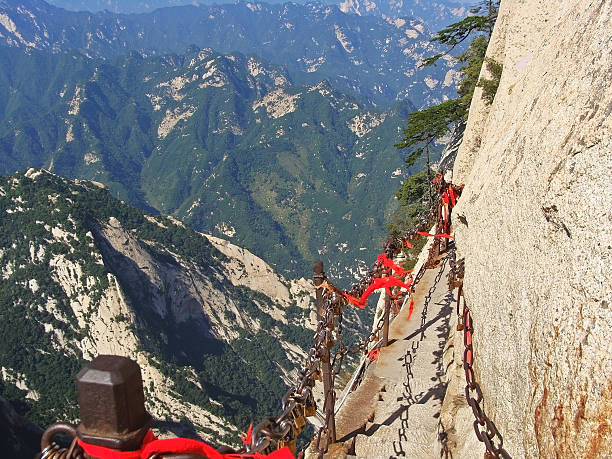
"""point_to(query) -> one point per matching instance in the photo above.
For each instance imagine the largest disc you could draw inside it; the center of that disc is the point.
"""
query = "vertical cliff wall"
(537, 236)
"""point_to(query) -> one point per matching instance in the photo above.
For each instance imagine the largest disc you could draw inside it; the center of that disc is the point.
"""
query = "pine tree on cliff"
(425, 126)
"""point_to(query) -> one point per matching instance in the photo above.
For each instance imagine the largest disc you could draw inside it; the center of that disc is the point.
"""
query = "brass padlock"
(310, 408)
(290, 444)
(299, 421)
(459, 327)
(317, 376)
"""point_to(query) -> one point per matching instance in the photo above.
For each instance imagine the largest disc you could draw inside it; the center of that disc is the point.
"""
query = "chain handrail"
(298, 403)
(484, 427)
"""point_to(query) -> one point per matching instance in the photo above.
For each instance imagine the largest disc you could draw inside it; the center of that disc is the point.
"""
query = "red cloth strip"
(151, 445)
(386, 261)
(408, 244)
(246, 438)
(453, 195)
(354, 301)
(383, 282)
(447, 236)
(411, 307)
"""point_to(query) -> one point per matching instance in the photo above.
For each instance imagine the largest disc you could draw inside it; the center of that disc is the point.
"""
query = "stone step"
(373, 447)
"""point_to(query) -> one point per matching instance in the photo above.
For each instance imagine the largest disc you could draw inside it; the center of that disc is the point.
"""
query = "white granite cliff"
(537, 242)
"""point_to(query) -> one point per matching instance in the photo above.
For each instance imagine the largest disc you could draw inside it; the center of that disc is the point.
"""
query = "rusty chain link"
(484, 427)
(51, 450)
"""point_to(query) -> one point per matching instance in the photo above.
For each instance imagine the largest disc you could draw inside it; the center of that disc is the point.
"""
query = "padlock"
(299, 421)
(459, 327)
(310, 406)
(310, 410)
(290, 444)
(317, 376)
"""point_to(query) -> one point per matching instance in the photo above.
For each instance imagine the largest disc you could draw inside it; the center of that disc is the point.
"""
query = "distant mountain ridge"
(223, 142)
(375, 57)
(276, 158)
(436, 14)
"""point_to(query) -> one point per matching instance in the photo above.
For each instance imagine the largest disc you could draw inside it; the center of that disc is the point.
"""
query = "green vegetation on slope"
(53, 222)
(425, 126)
(224, 143)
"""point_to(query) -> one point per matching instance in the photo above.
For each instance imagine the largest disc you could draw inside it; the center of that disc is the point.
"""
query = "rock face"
(536, 165)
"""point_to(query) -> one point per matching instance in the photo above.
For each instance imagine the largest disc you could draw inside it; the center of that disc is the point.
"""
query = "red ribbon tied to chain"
(411, 307)
(152, 446)
(447, 236)
(246, 438)
(378, 283)
(452, 195)
(386, 261)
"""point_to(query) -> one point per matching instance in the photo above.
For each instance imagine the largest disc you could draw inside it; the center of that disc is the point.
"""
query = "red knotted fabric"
(445, 197)
(378, 283)
(386, 261)
(246, 438)
(447, 236)
(453, 196)
(411, 307)
(151, 445)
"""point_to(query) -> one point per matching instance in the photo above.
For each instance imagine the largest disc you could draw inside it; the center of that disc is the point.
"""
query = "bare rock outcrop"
(536, 235)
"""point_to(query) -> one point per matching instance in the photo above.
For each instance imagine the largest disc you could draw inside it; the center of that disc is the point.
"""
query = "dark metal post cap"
(111, 402)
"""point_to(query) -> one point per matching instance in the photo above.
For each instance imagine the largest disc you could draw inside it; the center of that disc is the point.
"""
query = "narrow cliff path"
(395, 411)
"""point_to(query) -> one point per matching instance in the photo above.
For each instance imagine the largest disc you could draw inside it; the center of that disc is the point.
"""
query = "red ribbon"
(386, 283)
(408, 244)
(354, 301)
(386, 261)
(411, 307)
(452, 194)
(246, 438)
(447, 236)
(378, 283)
(151, 445)
(445, 197)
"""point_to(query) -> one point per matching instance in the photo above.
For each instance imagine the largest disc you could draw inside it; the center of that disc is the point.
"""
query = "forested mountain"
(374, 57)
(223, 142)
(83, 274)
(276, 157)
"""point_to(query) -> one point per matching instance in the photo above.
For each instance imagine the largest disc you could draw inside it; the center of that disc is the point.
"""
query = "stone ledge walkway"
(395, 411)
